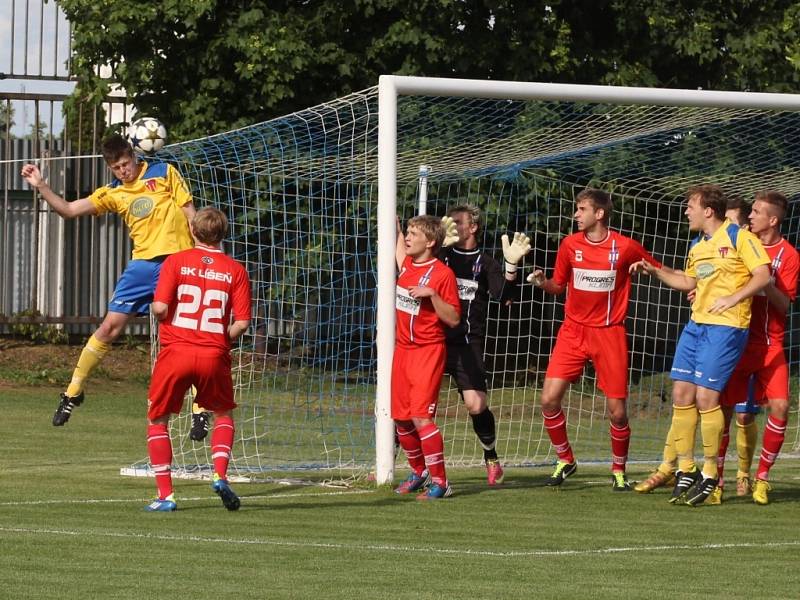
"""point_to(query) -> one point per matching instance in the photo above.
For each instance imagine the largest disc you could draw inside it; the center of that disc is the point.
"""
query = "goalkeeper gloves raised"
(514, 251)
(450, 232)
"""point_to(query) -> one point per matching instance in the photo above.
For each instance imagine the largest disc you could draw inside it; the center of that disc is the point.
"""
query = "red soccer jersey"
(417, 321)
(596, 276)
(767, 323)
(202, 287)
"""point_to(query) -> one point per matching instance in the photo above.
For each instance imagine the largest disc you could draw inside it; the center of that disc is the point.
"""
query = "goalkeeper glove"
(450, 232)
(515, 250)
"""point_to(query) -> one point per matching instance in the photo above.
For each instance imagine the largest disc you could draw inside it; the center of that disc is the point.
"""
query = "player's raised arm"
(513, 252)
(68, 210)
(400, 247)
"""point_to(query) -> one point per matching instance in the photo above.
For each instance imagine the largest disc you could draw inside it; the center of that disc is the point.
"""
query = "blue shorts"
(749, 406)
(707, 354)
(136, 286)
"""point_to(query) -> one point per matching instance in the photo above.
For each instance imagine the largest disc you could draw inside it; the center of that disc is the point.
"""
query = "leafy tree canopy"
(205, 66)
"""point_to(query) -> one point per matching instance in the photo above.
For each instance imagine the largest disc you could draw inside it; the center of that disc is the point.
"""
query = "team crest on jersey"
(150, 184)
(723, 251)
(424, 280)
(578, 255)
(142, 206)
(207, 260)
(613, 257)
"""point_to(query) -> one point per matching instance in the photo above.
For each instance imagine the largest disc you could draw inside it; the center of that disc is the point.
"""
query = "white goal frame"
(390, 87)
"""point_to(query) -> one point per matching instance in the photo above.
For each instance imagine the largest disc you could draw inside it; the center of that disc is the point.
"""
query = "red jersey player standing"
(763, 357)
(426, 302)
(592, 265)
(202, 301)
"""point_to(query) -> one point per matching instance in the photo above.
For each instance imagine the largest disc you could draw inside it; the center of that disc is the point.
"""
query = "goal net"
(302, 196)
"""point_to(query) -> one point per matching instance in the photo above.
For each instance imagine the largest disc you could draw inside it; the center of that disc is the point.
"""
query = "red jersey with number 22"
(203, 287)
(417, 321)
(596, 276)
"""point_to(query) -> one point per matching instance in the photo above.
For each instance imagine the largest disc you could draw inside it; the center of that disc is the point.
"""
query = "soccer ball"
(147, 135)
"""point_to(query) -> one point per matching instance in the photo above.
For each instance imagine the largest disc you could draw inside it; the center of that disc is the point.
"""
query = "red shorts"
(606, 347)
(768, 365)
(177, 368)
(416, 378)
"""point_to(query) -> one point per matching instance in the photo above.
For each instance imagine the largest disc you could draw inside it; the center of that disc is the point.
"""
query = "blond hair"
(431, 228)
(210, 225)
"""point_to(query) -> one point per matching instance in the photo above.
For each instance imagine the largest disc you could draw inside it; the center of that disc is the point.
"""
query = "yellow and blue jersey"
(721, 265)
(151, 207)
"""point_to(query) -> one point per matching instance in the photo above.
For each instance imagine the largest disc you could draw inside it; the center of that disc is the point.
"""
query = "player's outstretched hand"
(536, 278)
(642, 266)
(450, 232)
(32, 175)
(514, 251)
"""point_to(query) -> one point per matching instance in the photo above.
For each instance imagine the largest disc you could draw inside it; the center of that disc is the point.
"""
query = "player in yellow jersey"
(737, 211)
(726, 267)
(156, 205)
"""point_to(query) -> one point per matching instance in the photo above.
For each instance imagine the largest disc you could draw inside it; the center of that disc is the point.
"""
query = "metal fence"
(64, 271)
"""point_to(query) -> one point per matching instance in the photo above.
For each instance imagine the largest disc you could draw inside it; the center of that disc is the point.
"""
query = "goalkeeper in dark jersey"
(479, 276)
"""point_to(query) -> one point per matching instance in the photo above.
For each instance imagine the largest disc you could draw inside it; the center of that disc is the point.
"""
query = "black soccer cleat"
(229, 499)
(200, 425)
(65, 406)
(562, 471)
(683, 483)
(702, 490)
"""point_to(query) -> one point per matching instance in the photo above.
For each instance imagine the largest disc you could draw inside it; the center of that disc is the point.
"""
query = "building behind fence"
(61, 272)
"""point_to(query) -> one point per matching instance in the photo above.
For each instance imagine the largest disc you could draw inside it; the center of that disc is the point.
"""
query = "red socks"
(411, 445)
(159, 448)
(556, 426)
(221, 443)
(620, 440)
(774, 433)
(433, 448)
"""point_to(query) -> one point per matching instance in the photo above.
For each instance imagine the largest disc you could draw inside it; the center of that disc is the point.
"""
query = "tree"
(208, 66)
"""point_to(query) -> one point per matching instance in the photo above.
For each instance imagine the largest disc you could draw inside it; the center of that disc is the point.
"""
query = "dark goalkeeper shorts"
(465, 365)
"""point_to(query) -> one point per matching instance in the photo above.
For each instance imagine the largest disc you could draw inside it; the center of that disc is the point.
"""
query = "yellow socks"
(712, 424)
(670, 459)
(684, 425)
(746, 438)
(93, 352)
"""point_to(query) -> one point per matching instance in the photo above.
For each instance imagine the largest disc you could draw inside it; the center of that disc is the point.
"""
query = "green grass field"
(72, 527)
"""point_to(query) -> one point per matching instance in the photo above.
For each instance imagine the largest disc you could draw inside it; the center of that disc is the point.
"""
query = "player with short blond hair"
(203, 304)
(426, 302)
